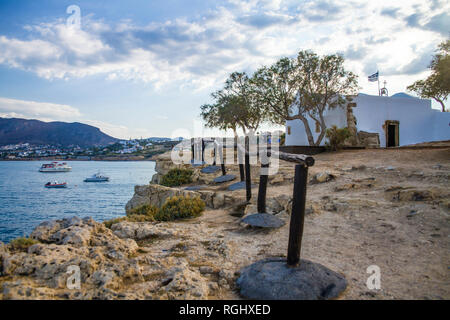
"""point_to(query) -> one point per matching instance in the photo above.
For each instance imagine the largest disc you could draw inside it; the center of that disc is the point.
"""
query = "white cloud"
(239, 35)
(45, 111)
(119, 131)
(38, 110)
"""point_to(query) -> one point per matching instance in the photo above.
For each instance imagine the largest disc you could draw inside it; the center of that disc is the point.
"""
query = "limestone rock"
(141, 230)
(184, 283)
(104, 260)
(276, 179)
(155, 195)
(218, 200)
(400, 193)
(76, 236)
(274, 206)
(250, 208)
(322, 177)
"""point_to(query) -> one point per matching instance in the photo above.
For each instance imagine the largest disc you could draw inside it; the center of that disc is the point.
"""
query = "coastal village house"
(380, 121)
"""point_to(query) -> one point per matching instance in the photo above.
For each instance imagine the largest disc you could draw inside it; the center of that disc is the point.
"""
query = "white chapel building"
(397, 120)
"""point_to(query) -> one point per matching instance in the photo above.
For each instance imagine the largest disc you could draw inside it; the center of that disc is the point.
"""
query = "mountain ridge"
(17, 130)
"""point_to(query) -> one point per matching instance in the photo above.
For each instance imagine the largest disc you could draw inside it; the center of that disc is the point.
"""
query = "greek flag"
(373, 77)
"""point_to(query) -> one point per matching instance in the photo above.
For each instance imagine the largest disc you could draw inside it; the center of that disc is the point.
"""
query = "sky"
(141, 68)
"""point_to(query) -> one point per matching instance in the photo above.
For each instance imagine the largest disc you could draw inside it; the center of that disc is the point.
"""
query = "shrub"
(177, 207)
(283, 139)
(22, 244)
(140, 218)
(146, 210)
(180, 207)
(336, 137)
(109, 223)
(177, 177)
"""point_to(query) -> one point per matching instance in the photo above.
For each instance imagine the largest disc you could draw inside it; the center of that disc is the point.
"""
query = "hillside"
(14, 130)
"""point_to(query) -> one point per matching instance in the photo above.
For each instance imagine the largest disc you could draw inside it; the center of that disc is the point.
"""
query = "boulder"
(322, 177)
(104, 260)
(76, 236)
(156, 195)
(272, 279)
(263, 220)
(413, 194)
(183, 283)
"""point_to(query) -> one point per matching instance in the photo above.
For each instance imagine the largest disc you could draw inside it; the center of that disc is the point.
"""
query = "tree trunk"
(308, 130)
(323, 129)
(442, 104)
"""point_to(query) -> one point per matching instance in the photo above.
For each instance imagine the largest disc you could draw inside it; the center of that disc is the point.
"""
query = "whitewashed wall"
(337, 117)
(418, 121)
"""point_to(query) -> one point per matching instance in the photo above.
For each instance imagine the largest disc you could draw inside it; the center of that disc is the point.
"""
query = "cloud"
(120, 131)
(440, 23)
(38, 110)
(322, 10)
(353, 53)
(416, 65)
(373, 40)
(390, 12)
(265, 20)
(200, 51)
(45, 111)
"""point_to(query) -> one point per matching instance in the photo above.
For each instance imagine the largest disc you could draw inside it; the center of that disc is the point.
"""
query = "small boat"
(56, 185)
(98, 177)
(55, 166)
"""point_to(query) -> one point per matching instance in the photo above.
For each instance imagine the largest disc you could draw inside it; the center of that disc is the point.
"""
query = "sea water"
(25, 202)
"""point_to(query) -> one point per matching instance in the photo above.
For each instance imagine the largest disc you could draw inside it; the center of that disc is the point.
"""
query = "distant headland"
(22, 139)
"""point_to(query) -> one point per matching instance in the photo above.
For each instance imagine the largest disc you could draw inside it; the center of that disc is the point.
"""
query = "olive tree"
(437, 85)
(304, 87)
(235, 106)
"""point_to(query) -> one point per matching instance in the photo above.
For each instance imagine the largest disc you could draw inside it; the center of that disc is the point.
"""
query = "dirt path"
(363, 224)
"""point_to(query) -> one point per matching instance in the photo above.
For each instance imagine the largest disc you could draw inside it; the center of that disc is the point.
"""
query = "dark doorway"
(392, 133)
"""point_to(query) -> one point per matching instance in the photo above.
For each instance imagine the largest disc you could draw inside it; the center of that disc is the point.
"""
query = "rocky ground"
(384, 207)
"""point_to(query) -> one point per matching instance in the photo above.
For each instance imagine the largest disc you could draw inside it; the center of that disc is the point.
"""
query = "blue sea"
(25, 202)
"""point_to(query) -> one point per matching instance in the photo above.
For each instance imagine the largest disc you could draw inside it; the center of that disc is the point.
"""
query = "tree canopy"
(234, 106)
(292, 88)
(437, 85)
(304, 87)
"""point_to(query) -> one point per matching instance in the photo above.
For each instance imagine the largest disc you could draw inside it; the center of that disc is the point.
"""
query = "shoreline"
(391, 204)
(56, 159)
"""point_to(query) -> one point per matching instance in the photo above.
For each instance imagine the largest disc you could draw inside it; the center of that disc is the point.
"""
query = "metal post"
(240, 160)
(222, 165)
(203, 151)
(297, 215)
(192, 149)
(248, 180)
(214, 151)
(262, 190)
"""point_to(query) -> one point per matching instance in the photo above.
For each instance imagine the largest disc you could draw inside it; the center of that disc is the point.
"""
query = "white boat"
(98, 177)
(55, 166)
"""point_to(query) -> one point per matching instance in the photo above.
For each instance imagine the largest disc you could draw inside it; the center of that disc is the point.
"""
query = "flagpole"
(378, 77)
